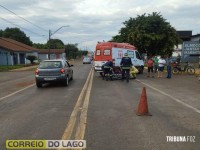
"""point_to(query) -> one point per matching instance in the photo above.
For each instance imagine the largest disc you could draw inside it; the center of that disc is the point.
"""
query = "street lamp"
(50, 34)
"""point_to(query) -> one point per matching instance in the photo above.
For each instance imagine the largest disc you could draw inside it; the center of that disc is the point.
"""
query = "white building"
(13, 52)
(54, 54)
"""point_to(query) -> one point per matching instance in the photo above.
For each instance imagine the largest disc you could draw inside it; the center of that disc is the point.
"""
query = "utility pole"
(50, 34)
(49, 47)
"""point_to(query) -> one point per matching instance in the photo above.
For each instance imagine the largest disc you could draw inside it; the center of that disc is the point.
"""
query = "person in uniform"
(126, 64)
(107, 68)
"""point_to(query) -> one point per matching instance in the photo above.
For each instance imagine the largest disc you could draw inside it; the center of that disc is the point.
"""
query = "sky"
(89, 21)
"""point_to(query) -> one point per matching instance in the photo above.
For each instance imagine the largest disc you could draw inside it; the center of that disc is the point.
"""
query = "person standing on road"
(126, 64)
(155, 64)
(178, 60)
(169, 68)
(150, 67)
(161, 65)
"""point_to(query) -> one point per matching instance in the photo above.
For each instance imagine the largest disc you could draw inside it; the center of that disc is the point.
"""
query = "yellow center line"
(80, 132)
(71, 124)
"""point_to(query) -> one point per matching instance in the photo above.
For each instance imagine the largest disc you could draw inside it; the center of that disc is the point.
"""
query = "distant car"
(53, 71)
(87, 60)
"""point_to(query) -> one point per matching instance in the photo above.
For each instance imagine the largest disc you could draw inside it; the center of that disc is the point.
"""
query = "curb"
(24, 69)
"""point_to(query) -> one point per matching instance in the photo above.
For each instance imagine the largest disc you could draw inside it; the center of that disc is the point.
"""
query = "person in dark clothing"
(126, 64)
(178, 60)
(102, 73)
(107, 68)
(169, 68)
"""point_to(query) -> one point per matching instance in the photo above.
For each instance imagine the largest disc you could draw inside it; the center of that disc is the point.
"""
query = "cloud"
(91, 21)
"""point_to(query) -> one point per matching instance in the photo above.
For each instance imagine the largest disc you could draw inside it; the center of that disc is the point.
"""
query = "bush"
(31, 58)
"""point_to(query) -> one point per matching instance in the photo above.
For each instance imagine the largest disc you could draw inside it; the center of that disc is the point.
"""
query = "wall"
(52, 56)
(42, 56)
(31, 53)
(5, 57)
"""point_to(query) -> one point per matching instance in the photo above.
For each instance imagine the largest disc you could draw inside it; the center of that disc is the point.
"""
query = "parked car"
(87, 60)
(53, 71)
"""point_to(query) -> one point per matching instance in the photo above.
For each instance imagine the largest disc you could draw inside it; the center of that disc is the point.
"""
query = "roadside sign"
(191, 48)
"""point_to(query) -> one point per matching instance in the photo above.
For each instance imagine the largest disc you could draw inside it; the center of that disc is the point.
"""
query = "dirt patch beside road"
(24, 84)
(30, 68)
(197, 71)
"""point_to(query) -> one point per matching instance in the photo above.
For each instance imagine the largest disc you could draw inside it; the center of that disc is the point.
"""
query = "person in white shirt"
(161, 65)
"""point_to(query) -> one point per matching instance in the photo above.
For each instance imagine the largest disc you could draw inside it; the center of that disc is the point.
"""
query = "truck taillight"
(36, 72)
(62, 70)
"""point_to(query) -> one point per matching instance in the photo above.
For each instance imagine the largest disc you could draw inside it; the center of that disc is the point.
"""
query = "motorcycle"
(188, 68)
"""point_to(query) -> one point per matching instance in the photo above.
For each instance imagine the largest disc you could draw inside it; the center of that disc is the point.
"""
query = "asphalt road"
(101, 112)
(114, 125)
(37, 113)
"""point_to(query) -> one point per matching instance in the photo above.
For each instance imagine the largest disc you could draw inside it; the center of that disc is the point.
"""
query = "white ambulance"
(111, 50)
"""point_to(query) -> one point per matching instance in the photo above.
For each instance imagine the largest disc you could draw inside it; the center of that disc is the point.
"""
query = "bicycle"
(188, 68)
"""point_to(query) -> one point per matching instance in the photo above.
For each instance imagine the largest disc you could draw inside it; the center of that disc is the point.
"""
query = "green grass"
(7, 68)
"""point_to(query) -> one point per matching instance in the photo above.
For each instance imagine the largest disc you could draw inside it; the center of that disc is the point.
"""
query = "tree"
(31, 58)
(1, 33)
(40, 46)
(84, 52)
(124, 32)
(71, 51)
(18, 35)
(150, 33)
(55, 44)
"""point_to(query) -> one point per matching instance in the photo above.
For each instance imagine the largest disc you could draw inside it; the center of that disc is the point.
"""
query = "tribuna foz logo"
(180, 139)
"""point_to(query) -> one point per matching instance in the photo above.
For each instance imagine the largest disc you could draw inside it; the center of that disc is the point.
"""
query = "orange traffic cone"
(143, 106)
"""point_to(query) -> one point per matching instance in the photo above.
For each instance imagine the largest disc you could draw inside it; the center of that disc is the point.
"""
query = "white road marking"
(16, 92)
(173, 98)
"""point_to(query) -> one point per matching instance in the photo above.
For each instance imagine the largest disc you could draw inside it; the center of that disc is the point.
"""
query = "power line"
(23, 18)
(22, 27)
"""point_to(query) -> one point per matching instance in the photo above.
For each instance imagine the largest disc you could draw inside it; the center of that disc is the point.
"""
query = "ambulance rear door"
(117, 54)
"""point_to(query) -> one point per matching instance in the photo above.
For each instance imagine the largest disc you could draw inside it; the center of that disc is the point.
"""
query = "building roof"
(197, 35)
(185, 35)
(16, 46)
(52, 51)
